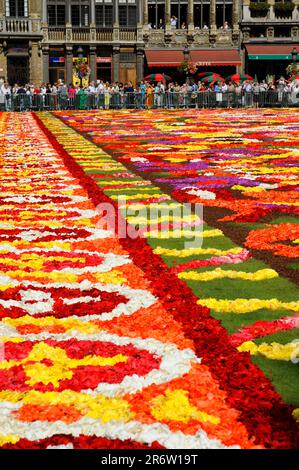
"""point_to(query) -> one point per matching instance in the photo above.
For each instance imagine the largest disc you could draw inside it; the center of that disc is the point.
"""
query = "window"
(80, 13)
(179, 10)
(224, 13)
(16, 8)
(127, 13)
(104, 14)
(201, 14)
(56, 13)
(156, 14)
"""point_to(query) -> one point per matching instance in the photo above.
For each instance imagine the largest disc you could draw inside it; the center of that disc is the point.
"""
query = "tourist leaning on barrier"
(6, 93)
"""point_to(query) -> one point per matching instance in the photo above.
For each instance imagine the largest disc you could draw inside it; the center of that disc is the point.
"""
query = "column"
(145, 13)
(92, 12)
(116, 64)
(34, 8)
(2, 8)
(44, 12)
(168, 31)
(68, 13)
(36, 69)
(116, 12)
(3, 63)
(167, 12)
(213, 15)
(190, 14)
(69, 64)
(140, 65)
(139, 13)
(46, 78)
(116, 22)
(93, 63)
(236, 14)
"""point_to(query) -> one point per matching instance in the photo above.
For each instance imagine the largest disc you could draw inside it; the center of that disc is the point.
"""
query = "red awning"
(164, 58)
(271, 51)
(212, 57)
(271, 48)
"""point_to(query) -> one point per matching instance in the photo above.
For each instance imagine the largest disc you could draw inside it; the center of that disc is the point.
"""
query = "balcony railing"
(19, 26)
(104, 35)
(127, 34)
(86, 35)
(81, 34)
(56, 34)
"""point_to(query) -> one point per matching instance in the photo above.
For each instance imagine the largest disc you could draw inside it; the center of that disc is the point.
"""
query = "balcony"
(57, 34)
(89, 35)
(127, 35)
(19, 26)
(104, 35)
(177, 38)
(81, 35)
(271, 16)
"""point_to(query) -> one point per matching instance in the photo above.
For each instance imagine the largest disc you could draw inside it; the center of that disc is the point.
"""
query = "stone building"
(121, 40)
(20, 40)
(270, 32)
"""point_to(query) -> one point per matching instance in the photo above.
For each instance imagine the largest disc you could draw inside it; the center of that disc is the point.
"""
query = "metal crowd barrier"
(167, 100)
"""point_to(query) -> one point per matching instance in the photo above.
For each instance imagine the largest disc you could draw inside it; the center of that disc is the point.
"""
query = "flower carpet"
(110, 342)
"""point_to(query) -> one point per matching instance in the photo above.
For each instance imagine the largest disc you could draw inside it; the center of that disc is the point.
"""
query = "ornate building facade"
(270, 31)
(121, 40)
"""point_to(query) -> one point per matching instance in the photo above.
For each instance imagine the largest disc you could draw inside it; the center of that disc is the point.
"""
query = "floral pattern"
(98, 352)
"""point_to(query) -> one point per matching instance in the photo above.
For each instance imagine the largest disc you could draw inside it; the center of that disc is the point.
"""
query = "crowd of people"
(174, 23)
(146, 94)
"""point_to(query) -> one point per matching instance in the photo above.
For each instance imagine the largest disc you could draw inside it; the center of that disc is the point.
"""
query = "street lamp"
(294, 55)
(186, 53)
(80, 52)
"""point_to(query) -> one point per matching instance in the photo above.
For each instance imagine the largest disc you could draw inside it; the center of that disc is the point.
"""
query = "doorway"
(18, 70)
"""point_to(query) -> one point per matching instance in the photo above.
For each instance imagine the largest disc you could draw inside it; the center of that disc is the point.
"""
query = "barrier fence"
(167, 100)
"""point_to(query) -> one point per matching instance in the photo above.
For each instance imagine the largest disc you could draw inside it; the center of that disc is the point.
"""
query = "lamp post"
(293, 68)
(294, 55)
(80, 53)
(186, 53)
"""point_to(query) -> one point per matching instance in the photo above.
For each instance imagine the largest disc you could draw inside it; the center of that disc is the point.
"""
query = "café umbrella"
(239, 77)
(215, 78)
(206, 74)
(158, 77)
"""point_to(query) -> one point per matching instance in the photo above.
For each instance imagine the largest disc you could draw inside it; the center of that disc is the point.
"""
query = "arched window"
(16, 8)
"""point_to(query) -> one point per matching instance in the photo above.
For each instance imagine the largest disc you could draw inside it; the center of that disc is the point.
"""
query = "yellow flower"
(195, 251)
(219, 273)
(175, 406)
(241, 306)
(274, 351)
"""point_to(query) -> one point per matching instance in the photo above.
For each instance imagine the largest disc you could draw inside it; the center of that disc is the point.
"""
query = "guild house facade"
(121, 40)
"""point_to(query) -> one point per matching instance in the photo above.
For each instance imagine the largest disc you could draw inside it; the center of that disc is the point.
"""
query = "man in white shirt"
(173, 22)
(100, 94)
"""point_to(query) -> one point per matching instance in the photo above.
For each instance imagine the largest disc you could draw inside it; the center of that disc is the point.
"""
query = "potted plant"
(284, 9)
(293, 69)
(259, 9)
(187, 67)
(81, 70)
